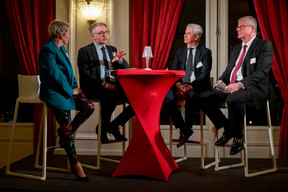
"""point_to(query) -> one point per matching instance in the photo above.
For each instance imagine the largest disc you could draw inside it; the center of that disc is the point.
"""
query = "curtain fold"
(273, 22)
(29, 20)
(153, 23)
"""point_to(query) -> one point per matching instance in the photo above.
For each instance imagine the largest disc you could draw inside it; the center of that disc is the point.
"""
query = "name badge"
(200, 64)
(253, 60)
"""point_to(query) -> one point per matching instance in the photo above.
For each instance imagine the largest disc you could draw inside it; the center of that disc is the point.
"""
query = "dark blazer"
(89, 68)
(255, 69)
(202, 66)
(56, 76)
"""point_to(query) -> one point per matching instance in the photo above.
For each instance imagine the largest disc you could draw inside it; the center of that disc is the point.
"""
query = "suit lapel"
(184, 58)
(234, 58)
(63, 60)
(251, 48)
(110, 52)
(93, 52)
(197, 56)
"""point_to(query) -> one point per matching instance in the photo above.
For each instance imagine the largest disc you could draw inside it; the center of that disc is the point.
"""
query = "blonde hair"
(57, 28)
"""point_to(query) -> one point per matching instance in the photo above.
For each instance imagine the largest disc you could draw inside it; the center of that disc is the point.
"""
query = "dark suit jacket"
(57, 77)
(255, 69)
(89, 68)
(202, 71)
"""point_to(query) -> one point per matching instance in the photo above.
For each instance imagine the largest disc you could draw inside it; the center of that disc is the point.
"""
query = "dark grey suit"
(202, 66)
(255, 70)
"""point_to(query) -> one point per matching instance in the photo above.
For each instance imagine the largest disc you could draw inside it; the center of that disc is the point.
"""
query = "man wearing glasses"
(95, 62)
(244, 80)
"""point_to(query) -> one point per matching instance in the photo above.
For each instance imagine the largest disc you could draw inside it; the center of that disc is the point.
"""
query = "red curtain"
(29, 20)
(153, 23)
(273, 22)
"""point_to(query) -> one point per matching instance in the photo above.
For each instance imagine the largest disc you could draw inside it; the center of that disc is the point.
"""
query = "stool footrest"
(55, 147)
(111, 141)
(227, 145)
(189, 141)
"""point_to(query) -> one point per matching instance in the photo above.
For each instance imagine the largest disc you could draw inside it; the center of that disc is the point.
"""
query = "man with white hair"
(196, 61)
(244, 80)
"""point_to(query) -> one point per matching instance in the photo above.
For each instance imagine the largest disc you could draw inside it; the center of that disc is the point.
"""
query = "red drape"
(153, 23)
(273, 22)
(29, 20)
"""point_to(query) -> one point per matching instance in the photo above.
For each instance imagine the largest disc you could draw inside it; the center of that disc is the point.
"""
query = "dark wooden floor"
(190, 177)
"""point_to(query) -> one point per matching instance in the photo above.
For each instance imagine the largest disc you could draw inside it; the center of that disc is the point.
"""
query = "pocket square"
(200, 64)
(253, 60)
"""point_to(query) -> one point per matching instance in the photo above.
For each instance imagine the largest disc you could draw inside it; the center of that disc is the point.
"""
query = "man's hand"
(111, 87)
(119, 55)
(233, 87)
(183, 89)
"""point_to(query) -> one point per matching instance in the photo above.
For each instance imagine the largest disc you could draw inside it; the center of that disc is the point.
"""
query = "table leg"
(147, 153)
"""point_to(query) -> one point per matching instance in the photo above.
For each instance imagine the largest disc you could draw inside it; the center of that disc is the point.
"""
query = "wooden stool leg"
(99, 143)
(170, 135)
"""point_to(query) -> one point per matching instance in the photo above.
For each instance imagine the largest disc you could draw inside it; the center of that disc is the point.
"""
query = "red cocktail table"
(147, 154)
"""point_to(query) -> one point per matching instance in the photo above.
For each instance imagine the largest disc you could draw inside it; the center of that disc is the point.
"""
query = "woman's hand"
(78, 91)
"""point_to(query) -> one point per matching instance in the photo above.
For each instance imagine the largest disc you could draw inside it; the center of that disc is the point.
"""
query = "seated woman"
(60, 91)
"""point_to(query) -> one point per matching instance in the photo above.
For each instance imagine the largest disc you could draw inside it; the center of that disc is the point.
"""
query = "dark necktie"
(188, 67)
(107, 78)
(233, 78)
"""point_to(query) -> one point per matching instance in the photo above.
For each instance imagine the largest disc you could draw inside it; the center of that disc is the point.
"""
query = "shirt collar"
(194, 47)
(98, 46)
(249, 42)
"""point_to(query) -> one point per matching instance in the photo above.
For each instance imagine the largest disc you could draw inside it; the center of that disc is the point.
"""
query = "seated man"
(94, 62)
(196, 60)
(246, 77)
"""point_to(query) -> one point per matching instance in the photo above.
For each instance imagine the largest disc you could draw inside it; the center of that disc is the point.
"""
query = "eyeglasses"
(103, 33)
(242, 27)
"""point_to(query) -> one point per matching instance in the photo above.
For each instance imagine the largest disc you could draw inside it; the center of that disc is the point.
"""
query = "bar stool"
(244, 153)
(99, 143)
(28, 93)
(181, 103)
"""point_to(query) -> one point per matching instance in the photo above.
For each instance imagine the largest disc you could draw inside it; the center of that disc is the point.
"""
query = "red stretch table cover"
(147, 154)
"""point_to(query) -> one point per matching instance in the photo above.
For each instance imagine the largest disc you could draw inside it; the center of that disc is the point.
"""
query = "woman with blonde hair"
(60, 91)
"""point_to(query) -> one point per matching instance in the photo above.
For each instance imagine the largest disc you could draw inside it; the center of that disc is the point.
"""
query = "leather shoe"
(104, 138)
(184, 136)
(223, 140)
(237, 146)
(116, 133)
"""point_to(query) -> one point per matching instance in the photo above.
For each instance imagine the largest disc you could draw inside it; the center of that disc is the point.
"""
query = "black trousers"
(191, 107)
(109, 100)
(209, 103)
(68, 127)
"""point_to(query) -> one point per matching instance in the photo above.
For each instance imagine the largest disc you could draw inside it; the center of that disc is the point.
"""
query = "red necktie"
(233, 78)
